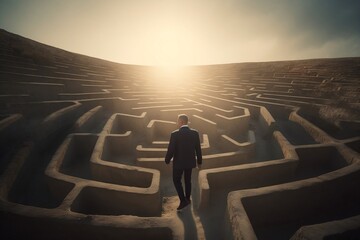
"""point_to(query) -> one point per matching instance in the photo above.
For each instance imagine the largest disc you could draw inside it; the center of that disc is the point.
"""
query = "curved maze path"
(83, 140)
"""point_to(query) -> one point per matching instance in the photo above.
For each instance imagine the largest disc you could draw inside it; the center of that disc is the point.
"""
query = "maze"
(83, 142)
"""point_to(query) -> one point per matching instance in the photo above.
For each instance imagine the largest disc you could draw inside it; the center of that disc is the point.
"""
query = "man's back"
(183, 147)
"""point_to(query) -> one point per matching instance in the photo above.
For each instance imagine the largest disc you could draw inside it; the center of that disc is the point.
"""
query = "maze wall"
(83, 141)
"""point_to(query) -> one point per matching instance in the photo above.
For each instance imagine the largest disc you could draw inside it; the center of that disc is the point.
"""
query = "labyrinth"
(83, 142)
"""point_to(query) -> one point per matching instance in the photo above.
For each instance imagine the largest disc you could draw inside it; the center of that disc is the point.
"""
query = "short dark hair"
(184, 118)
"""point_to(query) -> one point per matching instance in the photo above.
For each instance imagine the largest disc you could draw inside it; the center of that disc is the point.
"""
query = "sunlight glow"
(170, 43)
(187, 32)
(169, 76)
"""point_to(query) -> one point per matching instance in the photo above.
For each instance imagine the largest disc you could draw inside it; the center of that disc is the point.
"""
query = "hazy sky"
(154, 32)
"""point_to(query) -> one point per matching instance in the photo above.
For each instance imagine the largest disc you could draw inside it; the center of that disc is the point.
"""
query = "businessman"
(183, 147)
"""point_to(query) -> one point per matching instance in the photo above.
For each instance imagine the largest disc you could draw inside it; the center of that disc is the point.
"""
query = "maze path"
(83, 141)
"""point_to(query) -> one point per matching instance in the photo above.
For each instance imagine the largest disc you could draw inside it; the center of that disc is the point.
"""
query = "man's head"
(182, 120)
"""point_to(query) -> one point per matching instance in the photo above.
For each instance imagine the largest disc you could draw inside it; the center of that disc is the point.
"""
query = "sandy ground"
(187, 218)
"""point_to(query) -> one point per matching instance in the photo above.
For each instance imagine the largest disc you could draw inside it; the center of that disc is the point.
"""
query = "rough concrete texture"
(83, 141)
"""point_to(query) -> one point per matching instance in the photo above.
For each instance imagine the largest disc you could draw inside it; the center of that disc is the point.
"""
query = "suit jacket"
(183, 147)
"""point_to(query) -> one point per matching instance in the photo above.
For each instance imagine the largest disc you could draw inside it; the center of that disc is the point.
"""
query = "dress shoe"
(183, 204)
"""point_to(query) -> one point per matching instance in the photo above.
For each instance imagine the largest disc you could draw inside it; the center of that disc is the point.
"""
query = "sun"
(170, 47)
(171, 43)
(166, 77)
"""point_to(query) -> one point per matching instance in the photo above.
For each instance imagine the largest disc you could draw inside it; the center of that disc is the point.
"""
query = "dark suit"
(183, 147)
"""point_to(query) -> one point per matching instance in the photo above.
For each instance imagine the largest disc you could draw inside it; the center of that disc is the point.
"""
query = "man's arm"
(198, 150)
(170, 150)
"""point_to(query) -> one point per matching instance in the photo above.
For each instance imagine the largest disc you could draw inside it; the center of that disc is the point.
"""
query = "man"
(184, 145)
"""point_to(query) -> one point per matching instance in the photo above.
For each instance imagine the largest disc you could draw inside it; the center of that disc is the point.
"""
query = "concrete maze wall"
(83, 143)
